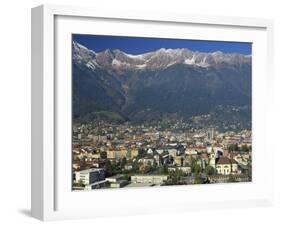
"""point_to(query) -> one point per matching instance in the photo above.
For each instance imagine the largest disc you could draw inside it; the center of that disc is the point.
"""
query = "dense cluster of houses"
(146, 156)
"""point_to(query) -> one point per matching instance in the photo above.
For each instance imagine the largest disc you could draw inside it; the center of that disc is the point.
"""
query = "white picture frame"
(51, 198)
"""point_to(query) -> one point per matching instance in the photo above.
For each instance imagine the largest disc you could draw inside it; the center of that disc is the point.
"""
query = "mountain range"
(114, 85)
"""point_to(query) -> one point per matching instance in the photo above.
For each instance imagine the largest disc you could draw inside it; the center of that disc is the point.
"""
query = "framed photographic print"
(136, 112)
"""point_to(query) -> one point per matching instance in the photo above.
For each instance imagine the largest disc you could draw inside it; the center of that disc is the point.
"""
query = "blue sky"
(136, 45)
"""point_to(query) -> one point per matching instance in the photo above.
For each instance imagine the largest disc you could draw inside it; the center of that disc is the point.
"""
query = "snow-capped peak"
(78, 47)
(159, 59)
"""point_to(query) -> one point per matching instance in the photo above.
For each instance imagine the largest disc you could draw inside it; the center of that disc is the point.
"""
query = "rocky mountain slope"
(155, 84)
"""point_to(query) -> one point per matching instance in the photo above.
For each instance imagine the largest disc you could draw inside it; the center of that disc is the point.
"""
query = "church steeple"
(213, 158)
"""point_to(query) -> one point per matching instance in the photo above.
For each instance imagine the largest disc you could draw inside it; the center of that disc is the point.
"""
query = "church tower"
(213, 158)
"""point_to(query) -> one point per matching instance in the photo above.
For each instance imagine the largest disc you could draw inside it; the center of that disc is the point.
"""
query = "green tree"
(209, 170)
(233, 147)
(79, 184)
(123, 162)
(194, 165)
(197, 169)
(244, 148)
(175, 176)
(198, 180)
(165, 169)
(103, 155)
(108, 168)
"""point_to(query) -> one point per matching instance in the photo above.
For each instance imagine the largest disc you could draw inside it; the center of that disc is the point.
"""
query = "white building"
(226, 166)
(184, 169)
(152, 179)
(223, 165)
(90, 176)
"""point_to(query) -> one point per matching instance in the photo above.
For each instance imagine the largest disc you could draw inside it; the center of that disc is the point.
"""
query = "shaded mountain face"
(149, 86)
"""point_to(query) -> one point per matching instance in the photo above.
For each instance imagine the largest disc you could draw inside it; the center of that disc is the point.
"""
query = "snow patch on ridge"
(159, 59)
(189, 61)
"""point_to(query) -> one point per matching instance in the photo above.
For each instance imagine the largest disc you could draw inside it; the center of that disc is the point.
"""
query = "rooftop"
(225, 160)
(90, 170)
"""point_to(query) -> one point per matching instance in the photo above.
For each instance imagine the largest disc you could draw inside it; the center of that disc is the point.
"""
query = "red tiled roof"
(204, 155)
(224, 160)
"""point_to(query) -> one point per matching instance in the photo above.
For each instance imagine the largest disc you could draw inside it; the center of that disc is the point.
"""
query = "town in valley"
(112, 155)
